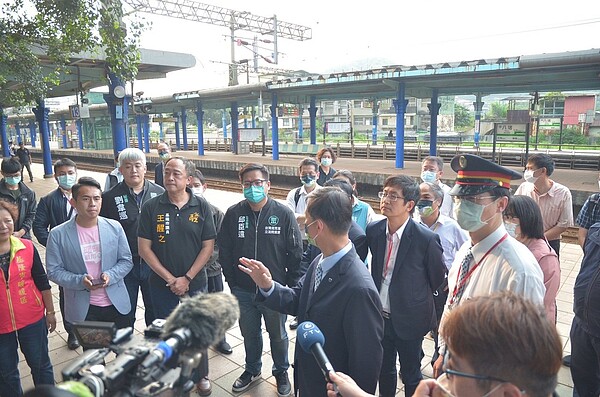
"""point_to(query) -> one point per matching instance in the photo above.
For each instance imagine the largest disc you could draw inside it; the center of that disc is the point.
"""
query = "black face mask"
(424, 203)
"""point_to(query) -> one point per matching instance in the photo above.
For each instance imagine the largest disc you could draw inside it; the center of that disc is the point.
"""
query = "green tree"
(59, 29)
(463, 118)
(497, 111)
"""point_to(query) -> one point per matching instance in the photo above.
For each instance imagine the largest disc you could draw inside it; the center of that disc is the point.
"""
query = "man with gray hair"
(432, 170)
(122, 203)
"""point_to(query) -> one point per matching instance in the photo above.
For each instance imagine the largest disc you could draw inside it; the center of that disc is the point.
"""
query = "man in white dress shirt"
(492, 260)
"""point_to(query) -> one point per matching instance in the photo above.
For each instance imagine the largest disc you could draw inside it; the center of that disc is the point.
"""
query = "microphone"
(198, 322)
(311, 340)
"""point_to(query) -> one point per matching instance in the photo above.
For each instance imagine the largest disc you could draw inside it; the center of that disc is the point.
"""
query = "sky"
(356, 36)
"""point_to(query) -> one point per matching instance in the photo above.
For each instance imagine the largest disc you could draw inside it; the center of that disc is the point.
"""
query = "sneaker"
(284, 388)
(294, 323)
(244, 381)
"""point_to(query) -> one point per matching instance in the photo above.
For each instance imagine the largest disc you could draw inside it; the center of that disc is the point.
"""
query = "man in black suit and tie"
(336, 293)
(407, 267)
(53, 210)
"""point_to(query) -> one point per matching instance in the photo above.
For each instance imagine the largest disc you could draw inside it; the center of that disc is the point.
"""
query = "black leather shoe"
(224, 347)
(294, 323)
(567, 361)
(72, 342)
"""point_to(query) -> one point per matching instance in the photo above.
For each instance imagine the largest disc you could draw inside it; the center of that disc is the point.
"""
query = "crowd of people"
(474, 265)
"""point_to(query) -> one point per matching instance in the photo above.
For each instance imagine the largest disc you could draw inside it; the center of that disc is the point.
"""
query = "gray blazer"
(65, 266)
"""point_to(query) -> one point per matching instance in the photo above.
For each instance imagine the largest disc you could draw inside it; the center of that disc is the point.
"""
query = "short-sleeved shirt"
(556, 204)
(590, 212)
(177, 234)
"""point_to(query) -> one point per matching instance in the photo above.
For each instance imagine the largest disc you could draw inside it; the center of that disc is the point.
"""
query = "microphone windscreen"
(207, 316)
(308, 334)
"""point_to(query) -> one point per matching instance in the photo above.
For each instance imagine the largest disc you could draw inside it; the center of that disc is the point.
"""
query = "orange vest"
(21, 302)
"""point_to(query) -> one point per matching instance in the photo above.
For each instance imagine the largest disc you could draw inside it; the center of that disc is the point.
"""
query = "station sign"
(506, 132)
(334, 127)
(550, 122)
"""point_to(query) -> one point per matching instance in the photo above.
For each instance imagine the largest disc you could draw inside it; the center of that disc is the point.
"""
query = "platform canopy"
(87, 70)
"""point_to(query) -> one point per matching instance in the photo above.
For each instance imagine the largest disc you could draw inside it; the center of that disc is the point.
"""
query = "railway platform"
(224, 369)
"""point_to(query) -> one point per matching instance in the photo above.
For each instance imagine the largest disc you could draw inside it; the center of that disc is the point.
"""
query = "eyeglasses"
(391, 196)
(255, 183)
(450, 372)
(473, 199)
(309, 225)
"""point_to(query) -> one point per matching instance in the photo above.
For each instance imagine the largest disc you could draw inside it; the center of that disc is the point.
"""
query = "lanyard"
(468, 276)
(389, 255)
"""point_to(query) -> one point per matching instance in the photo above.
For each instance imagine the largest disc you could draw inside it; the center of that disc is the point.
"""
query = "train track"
(569, 236)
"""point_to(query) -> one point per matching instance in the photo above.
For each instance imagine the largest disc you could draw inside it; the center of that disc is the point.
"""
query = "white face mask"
(528, 175)
(442, 388)
(326, 161)
(511, 229)
(468, 215)
(198, 191)
(428, 176)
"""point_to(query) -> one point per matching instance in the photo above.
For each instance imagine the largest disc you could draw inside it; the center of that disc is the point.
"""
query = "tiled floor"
(225, 369)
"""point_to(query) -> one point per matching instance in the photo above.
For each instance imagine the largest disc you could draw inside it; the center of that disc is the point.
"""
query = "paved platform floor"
(225, 369)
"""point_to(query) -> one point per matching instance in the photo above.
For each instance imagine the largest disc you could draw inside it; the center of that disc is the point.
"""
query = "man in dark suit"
(407, 267)
(336, 293)
(53, 210)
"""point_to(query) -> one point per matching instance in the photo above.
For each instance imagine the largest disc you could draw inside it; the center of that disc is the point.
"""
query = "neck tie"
(318, 275)
(464, 270)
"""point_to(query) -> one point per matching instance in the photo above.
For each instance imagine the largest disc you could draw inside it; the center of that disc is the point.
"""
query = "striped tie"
(464, 270)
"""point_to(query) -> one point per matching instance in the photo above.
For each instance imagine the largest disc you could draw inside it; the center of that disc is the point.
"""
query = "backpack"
(297, 196)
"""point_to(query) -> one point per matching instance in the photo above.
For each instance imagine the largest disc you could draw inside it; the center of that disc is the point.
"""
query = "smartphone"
(97, 281)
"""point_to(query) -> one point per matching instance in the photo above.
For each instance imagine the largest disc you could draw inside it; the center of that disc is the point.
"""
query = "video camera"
(140, 368)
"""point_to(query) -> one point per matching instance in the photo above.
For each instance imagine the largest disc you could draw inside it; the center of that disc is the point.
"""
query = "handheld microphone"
(198, 322)
(311, 340)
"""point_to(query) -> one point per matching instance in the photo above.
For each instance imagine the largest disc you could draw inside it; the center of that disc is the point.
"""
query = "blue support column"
(32, 133)
(375, 121)
(300, 123)
(184, 128)
(235, 133)
(177, 140)
(138, 124)
(434, 110)
(118, 110)
(146, 132)
(478, 106)
(274, 127)
(312, 111)
(224, 121)
(3, 135)
(200, 122)
(161, 133)
(253, 113)
(18, 132)
(63, 131)
(41, 114)
(79, 126)
(400, 104)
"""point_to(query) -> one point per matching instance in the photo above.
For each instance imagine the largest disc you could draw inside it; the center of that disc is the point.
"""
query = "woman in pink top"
(523, 221)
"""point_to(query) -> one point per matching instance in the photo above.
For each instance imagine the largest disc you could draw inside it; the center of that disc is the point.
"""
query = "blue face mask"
(12, 180)
(67, 181)
(255, 194)
(428, 176)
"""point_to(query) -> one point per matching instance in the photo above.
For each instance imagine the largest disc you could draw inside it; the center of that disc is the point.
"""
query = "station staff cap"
(476, 175)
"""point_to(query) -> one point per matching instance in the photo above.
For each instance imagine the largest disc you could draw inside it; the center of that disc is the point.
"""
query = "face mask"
(198, 191)
(67, 181)
(511, 229)
(528, 175)
(425, 207)
(326, 162)
(164, 156)
(468, 215)
(311, 240)
(308, 180)
(428, 176)
(442, 388)
(255, 194)
(12, 180)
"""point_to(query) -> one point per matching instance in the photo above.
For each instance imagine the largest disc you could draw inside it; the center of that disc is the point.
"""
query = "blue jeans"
(33, 340)
(136, 279)
(409, 354)
(250, 325)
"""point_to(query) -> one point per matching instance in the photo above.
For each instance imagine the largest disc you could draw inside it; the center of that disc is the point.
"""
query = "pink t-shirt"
(89, 240)
(550, 266)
